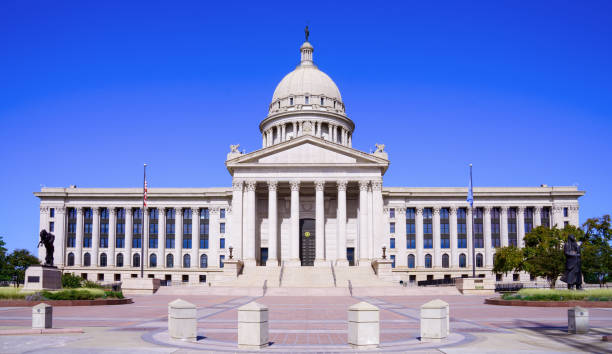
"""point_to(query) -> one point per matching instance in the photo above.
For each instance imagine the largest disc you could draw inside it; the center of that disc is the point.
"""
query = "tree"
(507, 259)
(18, 261)
(596, 250)
(4, 268)
(543, 253)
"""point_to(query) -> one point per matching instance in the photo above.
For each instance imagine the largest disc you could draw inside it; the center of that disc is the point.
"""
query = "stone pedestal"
(382, 268)
(475, 286)
(182, 320)
(578, 320)
(38, 277)
(42, 316)
(363, 326)
(231, 269)
(253, 326)
(434, 321)
(140, 286)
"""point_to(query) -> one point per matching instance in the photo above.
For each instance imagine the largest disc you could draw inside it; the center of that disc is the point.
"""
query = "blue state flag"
(470, 197)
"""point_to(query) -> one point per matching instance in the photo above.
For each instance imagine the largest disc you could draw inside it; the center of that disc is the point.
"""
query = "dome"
(304, 80)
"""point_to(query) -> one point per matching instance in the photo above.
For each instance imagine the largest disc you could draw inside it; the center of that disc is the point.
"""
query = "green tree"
(19, 260)
(596, 250)
(543, 253)
(507, 259)
(5, 273)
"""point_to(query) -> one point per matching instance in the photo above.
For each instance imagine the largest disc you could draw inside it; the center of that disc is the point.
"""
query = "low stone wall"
(97, 302)
(600, 304)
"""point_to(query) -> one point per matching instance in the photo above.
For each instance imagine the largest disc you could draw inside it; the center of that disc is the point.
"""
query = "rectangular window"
(203, 229)
(71, 241)
(410, 214)
(461, 241)
(427, 228)
(169, 229)
(170, 242)
(136, 242)
(121, 229)
(222, 228)
(392, 227)
(427, 241)
(104, 213)
(222, 213)
(511, 228)
(51, 226)
(103, 242)
(87, 227)
(104, 228)
(565, 223)
(445, 241)
(221, 261)
(411, 241)
(392, 261)
(187, 213)
(222, 243)
(306, 99)
(52, 212)
(444, 229)
(87, 242)
(392, 242)
(461, 228)
(410, 229)
(187, 242)
(203, 242)
(71, 227)
(392, 213)
(186, 229)
(137, 229)
(565, 212)
(528, 227)
(153, 242)
(120, 242)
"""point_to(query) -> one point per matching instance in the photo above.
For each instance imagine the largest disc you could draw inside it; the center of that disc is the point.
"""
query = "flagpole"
(144, 188)
(472, 212)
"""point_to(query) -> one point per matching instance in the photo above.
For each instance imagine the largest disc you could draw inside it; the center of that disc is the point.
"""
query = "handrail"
(280, 276)
(265, 287)
(350, 287)
(331, 263)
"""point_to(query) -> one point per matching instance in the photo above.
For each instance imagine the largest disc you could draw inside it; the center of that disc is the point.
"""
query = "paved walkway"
(307, 324)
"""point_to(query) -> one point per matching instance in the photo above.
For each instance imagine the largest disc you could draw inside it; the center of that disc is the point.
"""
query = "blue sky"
(91, 90)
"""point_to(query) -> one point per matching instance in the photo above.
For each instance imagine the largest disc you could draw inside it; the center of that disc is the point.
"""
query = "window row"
(137, 242)
(136, 260)
(428, 260)
(137, 213)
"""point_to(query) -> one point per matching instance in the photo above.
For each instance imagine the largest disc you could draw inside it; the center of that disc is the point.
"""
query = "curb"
(98, 302)
(590, 304)
(25, 331)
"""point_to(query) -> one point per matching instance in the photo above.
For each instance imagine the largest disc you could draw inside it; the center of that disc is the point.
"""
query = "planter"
(531, 303)
(96, 302)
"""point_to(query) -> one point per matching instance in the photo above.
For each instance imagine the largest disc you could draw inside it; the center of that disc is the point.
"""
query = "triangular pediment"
(307, 150)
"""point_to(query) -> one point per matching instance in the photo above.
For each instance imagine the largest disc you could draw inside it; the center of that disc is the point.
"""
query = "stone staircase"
(255, 277)
(308, 277)
(360, 277)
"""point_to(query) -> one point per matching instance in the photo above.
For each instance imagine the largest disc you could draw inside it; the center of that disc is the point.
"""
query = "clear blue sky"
(89, 90)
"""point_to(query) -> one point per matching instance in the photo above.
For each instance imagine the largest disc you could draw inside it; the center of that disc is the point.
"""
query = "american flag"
(145, 194)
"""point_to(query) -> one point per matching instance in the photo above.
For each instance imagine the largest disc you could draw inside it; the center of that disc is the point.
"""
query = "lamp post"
(231, 249)
(384, 249)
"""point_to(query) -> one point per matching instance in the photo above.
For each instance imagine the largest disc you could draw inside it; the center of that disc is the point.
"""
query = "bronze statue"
(307, 33)
(47, 239)
(573, 274)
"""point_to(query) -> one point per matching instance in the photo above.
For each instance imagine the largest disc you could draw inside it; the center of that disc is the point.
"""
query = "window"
(410, 261)
(392, 242)
(427, 228)
(104, 213)
(152, 228)
(136, 242)
(103, 260)
(222, 228)
(565, 223)
(222, 243)
(120, 242)
(170, 241)
(121, 213)
(392, 227)
(498, 277)
(444, 228)
(187, 241)
(322, 101)
(392, 213)
(222, 213)
(528, 227)
(187, 213)
(185, 278)
(427, 241)
(170, 214)
(87, 213)
(169, 229)
(202, 278)
(71, 227)
(410, 214)
(72, 213)
(100, 276)
(462, 260)
(203, 261)
(479, 262)
(119, 260)
(153, 242)
(186, 261)
(306, 100)
(169, 261)
(410, 228)
(136, 260)
(445, 241)
(86, 259)
(204, 218)
(186, 229)
(392, 261)
(444, 213)
(516, 277)
(71, 241)
(410, 241)
(291, 101)
(221, 261)
(87, 228)
(104, 228)
(153, 260)
(445, 261)
(70, 259)
(565, 212)
(87, 241)
(427, 212)
(51, 226)
(120, 228)
(137, 229)
(52, 212)
(104, 241)
(428, 261)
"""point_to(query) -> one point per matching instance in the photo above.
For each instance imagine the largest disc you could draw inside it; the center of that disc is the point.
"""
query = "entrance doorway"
(263, 256)
(350, 256)
(307, 242)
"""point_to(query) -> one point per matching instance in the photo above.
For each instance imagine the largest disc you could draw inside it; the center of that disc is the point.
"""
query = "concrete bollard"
(578, 320)
(253, 326)
(42, 316)
(182, 322)
(434, 321)
(363, 326)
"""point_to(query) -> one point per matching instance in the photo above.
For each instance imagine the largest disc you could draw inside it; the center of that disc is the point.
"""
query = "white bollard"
(578, 320)
(42, 316)
(434, 321)
(253, 326)
(182, 322)
(363, 326)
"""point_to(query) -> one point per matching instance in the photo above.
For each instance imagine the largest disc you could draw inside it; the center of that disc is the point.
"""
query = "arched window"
(462, 261)
(428, 261)
(478, 259)
(203, 261)
(136, 260)
(445, 262)
(170, 261)
(119, 262)
(103, 260)
(153, 260)
(70, 259)
(410, 261)
(86, 259)
(186, 261)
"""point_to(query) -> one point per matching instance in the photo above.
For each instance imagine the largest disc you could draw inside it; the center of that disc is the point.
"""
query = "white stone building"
(306, 198)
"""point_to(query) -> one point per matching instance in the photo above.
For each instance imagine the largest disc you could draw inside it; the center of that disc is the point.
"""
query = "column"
(263, 139)
(469, 235)
(453, 237)
(319, 222)
(377, 215)
(521, 226)
(350, 140)
(79, 238)
(284, 132)
(59, 254)
(503, 225)
(295, 223)
(236, 234)
(400, 238)
(43, 225)
(272, 225)
(178, 237)
(341, 217)
(294, 130)
(364, 258)
(112, 231)
(370, 223)
(437, 261)
(537, 217)
(213, 237)
(161, 237)
(488, 256)
(249, 232)
(145, 237)
(418, 224)
(95, 237)
(129, 228)
(334, 135)
(195, 237)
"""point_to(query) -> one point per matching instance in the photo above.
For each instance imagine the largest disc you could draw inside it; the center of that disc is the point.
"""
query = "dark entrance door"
(350, 256)
(307, 242)
(263, 256)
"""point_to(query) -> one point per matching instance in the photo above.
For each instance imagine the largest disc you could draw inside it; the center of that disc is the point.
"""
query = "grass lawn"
(560, 295)
(10, 293)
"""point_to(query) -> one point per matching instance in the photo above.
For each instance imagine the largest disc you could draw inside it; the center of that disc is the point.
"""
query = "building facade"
(306, 198)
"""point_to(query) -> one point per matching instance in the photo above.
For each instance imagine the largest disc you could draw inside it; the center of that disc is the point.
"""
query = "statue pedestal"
(40, 277)
(475, 286)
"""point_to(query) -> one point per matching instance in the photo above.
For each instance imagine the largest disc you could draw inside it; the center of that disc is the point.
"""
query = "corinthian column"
(129, 228)
(272, 225)
(195, 237)
(59, 255)
(249, 232)
(341, 216)
(79, 238)
(378, 217)
(295, 223)
(488, 261)
(453, 237)
(236, 233)
(400, 238)
(537, 216)
(319, 222)
(364, 259)
(112, 231)
(503, 225)
(521, 226)
(418, 224)
(437, 261)
(161, 237)
(95, 237)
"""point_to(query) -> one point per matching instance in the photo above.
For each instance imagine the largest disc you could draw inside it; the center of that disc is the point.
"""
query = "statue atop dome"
(306, 33)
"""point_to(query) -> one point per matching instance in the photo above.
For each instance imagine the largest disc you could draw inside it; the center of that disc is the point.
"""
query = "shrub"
(90, 284)
(560, 295)
(13, 294)
(71, 281)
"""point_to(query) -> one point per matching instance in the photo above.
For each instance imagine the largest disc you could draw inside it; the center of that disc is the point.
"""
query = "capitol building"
(306, 199)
